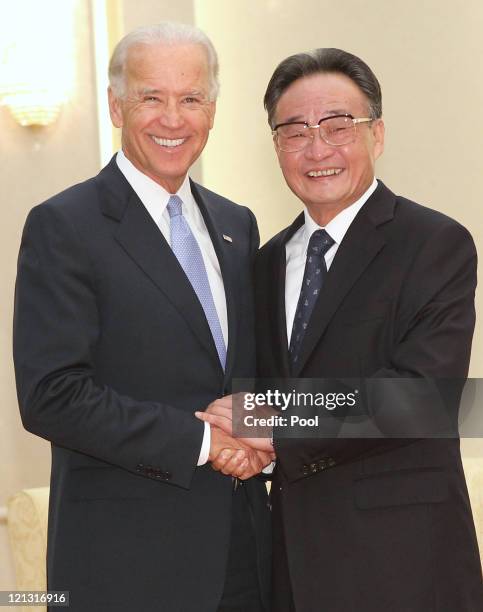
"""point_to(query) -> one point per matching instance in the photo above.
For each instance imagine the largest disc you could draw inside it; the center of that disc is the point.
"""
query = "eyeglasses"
(336, 130)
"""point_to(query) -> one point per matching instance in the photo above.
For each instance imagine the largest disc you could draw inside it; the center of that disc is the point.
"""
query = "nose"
(172, 116)
(318, 149)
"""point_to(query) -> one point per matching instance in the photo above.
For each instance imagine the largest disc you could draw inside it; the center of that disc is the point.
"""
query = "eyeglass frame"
(355, 121)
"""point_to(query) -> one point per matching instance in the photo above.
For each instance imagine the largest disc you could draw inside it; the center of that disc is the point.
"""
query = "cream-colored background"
(427, 55)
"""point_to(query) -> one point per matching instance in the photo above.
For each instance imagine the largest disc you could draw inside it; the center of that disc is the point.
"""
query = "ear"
(378, 131)
(115, 109)
(277, 150)
(212, 111)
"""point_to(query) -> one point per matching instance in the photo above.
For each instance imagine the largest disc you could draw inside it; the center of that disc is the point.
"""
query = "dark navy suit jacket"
(113, 355)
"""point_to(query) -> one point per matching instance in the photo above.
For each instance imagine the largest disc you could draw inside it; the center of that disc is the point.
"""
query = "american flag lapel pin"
(227, 238)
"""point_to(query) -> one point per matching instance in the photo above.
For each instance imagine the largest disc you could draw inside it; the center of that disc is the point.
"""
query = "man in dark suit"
(134, 309)
(363, 524)
(364, 285)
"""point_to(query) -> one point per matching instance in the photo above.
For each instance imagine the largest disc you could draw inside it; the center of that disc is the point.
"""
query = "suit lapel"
(360, 246)
(145, 244)
(278, 265)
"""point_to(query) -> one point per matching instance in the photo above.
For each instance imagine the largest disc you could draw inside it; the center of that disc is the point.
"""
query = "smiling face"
(329, 178)
(165, 114)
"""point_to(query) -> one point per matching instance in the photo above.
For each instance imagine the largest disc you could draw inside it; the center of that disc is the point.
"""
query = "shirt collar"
(154, 197)
(338, 226)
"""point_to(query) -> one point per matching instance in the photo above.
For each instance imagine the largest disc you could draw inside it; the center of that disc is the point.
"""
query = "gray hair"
(323, 60)
(166, 33)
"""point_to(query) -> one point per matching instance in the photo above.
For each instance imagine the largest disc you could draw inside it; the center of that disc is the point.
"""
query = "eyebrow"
(297, 118)
(150, 90)
(144, 91)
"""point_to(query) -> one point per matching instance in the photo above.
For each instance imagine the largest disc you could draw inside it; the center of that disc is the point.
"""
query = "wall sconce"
(34, 107)
(36, 66)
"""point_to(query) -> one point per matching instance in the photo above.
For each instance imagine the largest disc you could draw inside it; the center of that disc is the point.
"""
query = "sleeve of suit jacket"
(56, 328)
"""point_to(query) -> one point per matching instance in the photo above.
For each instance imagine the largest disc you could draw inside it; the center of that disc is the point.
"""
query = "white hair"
(166, 33)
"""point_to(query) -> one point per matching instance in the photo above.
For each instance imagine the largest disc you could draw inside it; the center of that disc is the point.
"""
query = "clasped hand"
(240, 457)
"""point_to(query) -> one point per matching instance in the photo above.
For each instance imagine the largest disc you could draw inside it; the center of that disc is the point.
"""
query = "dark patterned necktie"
(314, 276)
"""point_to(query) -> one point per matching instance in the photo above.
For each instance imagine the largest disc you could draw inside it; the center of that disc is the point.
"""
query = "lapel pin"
(227, 238)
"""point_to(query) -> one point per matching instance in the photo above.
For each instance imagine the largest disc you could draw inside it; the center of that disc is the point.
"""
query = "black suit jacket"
(371, 524)
(113, 355)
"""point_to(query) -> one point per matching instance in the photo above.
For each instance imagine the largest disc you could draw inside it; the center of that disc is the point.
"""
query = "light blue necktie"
(188, 253)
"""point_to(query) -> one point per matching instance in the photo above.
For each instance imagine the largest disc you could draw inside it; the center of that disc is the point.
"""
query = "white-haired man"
(133, 310)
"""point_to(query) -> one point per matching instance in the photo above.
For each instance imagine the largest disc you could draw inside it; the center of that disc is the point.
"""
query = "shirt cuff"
(205, 446)
(269, 468)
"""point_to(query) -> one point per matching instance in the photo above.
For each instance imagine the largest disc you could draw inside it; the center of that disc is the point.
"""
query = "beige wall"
(426, 54)
(138, 13)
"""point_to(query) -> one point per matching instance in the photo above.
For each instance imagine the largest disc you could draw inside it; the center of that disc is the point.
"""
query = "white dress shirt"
(155, 198)
(296, 251)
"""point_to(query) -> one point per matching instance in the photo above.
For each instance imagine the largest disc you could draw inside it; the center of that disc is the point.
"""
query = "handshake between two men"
(238, 457)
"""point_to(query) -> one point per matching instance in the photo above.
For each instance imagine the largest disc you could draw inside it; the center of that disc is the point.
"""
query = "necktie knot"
(319, 243)
(175, 206)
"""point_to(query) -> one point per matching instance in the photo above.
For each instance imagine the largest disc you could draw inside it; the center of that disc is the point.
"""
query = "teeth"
(166, 142)
(329, 172)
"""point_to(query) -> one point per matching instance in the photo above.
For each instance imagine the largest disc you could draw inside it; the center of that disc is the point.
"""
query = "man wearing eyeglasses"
(363, 284)
(371, 513)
